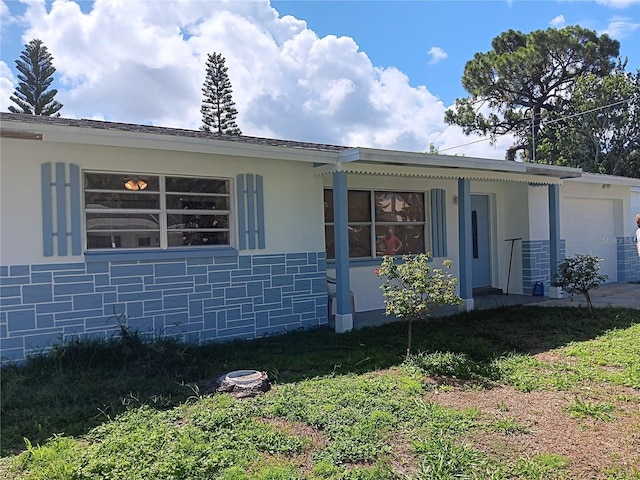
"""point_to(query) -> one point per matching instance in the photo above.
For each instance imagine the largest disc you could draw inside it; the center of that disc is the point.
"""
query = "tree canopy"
(36, 75)
(526, 75)
(599, 129)
(218, 109)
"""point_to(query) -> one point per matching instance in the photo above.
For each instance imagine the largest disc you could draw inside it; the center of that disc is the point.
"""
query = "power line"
(547, 122)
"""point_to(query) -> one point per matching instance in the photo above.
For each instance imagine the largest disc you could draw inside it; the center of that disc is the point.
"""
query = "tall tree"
(525, 75)
(598, 130)
(218, 109)
(36, 74)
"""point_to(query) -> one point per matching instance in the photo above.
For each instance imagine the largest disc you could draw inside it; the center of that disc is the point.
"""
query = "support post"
(554, 237)
(344, 315)
(465, 243)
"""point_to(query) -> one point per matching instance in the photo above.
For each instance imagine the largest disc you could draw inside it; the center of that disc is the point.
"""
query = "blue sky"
(360, 73)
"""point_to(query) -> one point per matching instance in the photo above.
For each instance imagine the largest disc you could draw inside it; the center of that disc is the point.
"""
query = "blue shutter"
(438, 222)
(250, 195)
(64, 210)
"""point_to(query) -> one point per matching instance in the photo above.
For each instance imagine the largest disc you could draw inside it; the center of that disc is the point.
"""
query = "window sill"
(156, 254)
(368, 262)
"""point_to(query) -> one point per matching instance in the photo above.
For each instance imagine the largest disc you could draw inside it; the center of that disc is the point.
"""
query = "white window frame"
(373, 223)
(162, 211)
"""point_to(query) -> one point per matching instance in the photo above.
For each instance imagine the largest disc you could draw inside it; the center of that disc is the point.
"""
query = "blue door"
(480, 241)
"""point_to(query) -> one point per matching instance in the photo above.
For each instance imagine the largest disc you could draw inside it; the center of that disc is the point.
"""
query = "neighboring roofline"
(608, 179)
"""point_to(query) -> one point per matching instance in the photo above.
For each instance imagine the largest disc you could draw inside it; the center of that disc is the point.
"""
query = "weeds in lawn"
(342, 406)
(546, 466)
(509, 426)
(598, 411)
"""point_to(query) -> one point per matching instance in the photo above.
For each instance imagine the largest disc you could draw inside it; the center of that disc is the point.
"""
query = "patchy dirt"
(592, 447)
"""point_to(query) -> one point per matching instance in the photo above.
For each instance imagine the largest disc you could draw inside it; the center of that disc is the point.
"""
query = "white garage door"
(588, 226)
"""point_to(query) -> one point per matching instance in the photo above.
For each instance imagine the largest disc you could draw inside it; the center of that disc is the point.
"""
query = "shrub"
(411, 287)
(579, 274)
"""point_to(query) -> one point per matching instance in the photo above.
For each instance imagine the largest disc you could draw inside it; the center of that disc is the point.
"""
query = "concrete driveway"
(609, 295)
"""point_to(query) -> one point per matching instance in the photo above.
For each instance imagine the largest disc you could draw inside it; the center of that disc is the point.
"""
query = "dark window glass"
(126, 200)
(112, 181)
(180, 239)
(197, 202)
(196, 185)
(328, 206)
(359, 206)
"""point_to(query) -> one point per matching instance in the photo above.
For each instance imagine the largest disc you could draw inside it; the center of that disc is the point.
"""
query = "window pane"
(197, 202)
(196, 185)
(180, 239)
(399, 239)
(123, 240)
(399, 207)
(114, 181)
(138, 200)
(329, 242)
(196, 222)
(122, 221)
(359, 241)
(359, 206)
(328, 206)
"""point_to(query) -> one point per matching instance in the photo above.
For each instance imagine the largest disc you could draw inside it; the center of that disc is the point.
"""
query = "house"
(208, 237)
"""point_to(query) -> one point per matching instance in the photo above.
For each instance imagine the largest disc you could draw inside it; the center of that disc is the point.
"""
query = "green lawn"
(344, 406)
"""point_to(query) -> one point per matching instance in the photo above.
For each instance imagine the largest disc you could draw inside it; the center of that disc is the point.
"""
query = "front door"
(480, 241)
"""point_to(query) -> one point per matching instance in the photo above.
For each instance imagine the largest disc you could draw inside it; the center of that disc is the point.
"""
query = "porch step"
(486, 291)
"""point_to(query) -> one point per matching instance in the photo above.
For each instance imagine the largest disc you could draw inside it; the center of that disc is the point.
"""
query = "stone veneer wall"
(535, 264)
(628, 261)
(193, 299)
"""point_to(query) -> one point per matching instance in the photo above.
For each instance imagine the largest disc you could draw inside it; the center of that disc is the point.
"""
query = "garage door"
(588, 225)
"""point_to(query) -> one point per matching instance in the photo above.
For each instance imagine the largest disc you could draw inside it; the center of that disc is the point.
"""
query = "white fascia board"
(119, 138)
(393, 157)
(553, 170)
(435, 172)
(606, 179)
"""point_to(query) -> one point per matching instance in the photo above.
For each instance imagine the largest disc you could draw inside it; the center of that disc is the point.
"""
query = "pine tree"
(218, 109)
(36, 75)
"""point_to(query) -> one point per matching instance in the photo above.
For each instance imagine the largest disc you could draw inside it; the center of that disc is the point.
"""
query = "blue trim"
(260, 211)
(438, 223)
(76, 211)
(341, 235)
(61, 208)
(174, 253)
(554, 229)
(368, 262)
(251, 212)
(464, 238)
(242, 235)
(47, 211)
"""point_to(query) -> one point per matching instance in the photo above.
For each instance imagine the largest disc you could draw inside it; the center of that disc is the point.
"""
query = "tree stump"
(243, 383)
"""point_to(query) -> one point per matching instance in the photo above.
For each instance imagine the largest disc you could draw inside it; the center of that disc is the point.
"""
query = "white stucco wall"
(292, 194)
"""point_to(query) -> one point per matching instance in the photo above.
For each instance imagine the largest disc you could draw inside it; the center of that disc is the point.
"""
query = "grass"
(342, 406)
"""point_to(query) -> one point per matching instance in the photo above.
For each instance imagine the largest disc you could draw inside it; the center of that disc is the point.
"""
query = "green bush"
(579, 274)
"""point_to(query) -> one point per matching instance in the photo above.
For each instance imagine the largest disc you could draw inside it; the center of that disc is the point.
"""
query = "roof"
(150, 129)
(332, 157)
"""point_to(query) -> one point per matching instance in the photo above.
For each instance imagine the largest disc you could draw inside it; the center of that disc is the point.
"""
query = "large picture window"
(380, 223)
(154, 211)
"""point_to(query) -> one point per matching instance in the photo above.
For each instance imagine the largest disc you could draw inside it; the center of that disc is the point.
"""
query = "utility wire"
(547, 122)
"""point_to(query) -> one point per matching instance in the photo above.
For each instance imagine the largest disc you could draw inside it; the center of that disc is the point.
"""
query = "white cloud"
(621, 4)
(7, 86)
(436, 54)
(135, 62)
(558, 22)
(621, 27)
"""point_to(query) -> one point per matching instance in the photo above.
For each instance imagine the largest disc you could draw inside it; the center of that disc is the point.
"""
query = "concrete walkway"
(609, 295)
(625, 295)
